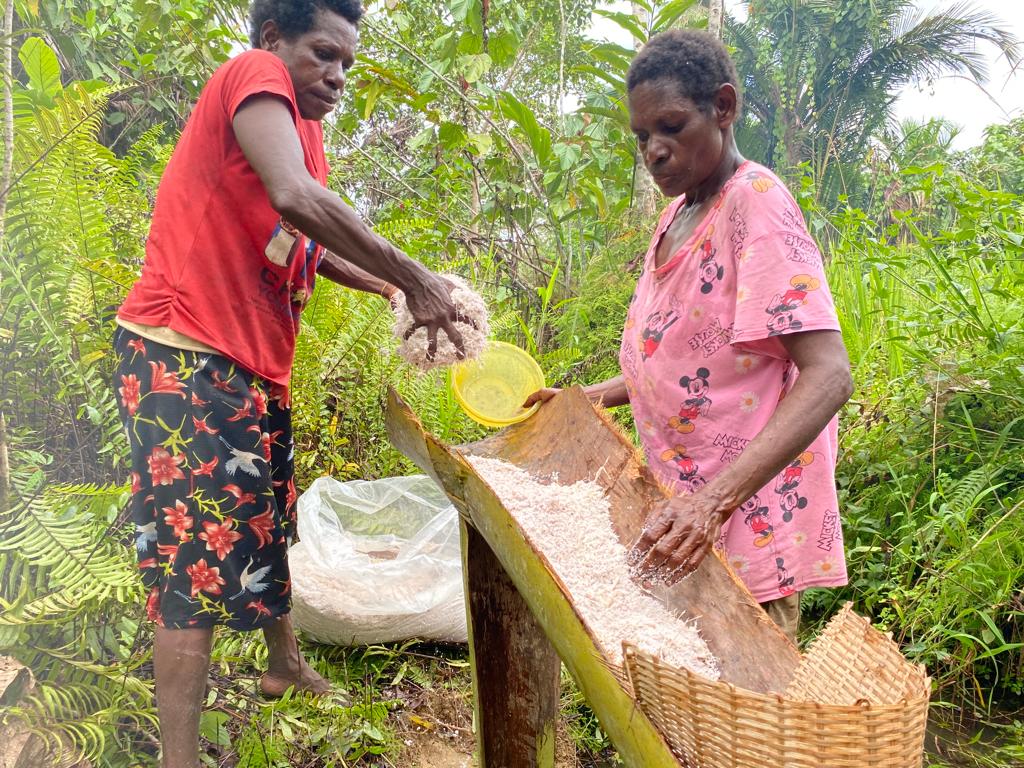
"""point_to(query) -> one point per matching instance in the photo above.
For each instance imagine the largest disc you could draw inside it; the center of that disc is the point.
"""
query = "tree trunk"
(645, 194)
(716, 13)
(7, 73)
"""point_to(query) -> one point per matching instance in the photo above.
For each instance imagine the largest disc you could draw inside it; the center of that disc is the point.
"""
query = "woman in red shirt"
(242, 225)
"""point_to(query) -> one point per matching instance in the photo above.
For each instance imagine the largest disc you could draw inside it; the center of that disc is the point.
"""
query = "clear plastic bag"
(377, 561)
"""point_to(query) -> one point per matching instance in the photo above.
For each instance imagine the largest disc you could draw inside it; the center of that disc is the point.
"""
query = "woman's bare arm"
(680, 531)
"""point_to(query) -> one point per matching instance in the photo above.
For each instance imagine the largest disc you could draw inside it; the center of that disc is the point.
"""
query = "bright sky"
(963, 102)
(953, 98)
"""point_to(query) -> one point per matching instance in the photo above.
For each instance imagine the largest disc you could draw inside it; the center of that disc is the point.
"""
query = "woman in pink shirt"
(731, 356)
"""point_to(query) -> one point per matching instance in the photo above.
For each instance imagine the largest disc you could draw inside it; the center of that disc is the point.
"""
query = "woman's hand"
(608, 393)
(430, 303)
(541, 396)
(678, 534)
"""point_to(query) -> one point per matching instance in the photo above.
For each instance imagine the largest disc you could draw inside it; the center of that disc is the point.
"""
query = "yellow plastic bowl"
(492, 388)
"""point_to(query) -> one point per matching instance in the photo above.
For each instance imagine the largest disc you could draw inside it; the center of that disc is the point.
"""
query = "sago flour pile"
(571, 525)
(472, 324)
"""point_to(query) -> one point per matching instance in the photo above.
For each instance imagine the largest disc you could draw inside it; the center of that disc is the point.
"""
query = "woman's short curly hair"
(295, 17)
(697, 62)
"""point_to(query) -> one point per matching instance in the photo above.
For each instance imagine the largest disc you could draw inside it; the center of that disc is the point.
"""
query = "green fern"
(962, 499)
(48, 532)
(69, 593)
(86, 720)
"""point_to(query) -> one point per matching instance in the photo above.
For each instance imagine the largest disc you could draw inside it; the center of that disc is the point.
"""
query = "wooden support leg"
(516, 671)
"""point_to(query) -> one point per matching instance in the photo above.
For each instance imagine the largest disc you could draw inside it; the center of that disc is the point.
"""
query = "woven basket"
(853, 702)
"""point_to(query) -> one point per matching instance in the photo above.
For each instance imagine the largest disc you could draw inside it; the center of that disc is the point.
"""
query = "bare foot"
(274, 684)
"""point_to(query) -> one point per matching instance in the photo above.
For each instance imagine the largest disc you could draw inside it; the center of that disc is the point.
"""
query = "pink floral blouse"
(704, 369)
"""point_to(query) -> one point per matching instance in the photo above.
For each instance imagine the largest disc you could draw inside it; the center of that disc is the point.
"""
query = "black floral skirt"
(213, 489)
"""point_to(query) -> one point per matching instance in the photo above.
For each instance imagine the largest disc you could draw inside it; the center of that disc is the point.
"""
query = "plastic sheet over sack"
(377, 561)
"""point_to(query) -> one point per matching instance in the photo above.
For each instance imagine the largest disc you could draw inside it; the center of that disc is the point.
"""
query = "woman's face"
(681, 145)
(317, 60)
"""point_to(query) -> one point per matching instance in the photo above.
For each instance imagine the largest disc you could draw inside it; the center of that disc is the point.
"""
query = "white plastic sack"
(377, 561)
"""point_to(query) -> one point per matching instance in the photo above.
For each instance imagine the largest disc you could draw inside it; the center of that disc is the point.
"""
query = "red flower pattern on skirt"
(220, 537)
(241, 497)
(129, 390)
(262, 525)
(179, 520)
(164, 381)
(207, 467)
(170, 551)
(200, 425)
(259, 607)
(292, 495)
(204, 578)
(163, 467)
(259, 400)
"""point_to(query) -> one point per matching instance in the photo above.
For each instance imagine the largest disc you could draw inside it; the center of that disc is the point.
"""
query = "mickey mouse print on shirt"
(709, 271)
(756, 518)
(703, 362)
(787, 484)
(782, 307)
(654, 331)
(685, 466)
(697, 402)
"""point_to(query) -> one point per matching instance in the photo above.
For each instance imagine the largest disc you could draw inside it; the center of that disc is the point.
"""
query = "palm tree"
(821, 76)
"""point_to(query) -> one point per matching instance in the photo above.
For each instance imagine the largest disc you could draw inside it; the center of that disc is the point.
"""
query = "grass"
(407, 705)
(384, 698)
(994, 743)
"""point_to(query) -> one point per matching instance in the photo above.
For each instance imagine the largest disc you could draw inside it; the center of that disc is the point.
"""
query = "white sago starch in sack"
(571, 525)
(472, 324)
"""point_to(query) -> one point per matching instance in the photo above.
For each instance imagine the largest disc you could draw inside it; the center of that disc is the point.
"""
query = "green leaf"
(41, 66)
(537, 135)
(567, 154)
(402, 21)
(503, 47)
(372, 92)
(452, 135)
(474, 66)
(1014, 237)
(603, 74)
(618, 115)
(422, 139)
(626, 21)
(615, 56)
(670, 13)
(481, 143)
(461, 8)
(213, 727)
(446, 44)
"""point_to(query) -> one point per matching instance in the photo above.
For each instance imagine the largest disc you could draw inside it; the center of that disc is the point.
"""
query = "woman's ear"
(726, 101)
(270, 35)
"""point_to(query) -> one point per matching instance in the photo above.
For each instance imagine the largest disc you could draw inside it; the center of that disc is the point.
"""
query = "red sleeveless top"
(221, 265)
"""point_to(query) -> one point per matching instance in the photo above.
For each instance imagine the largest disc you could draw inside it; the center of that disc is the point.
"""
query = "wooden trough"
(522, 622)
